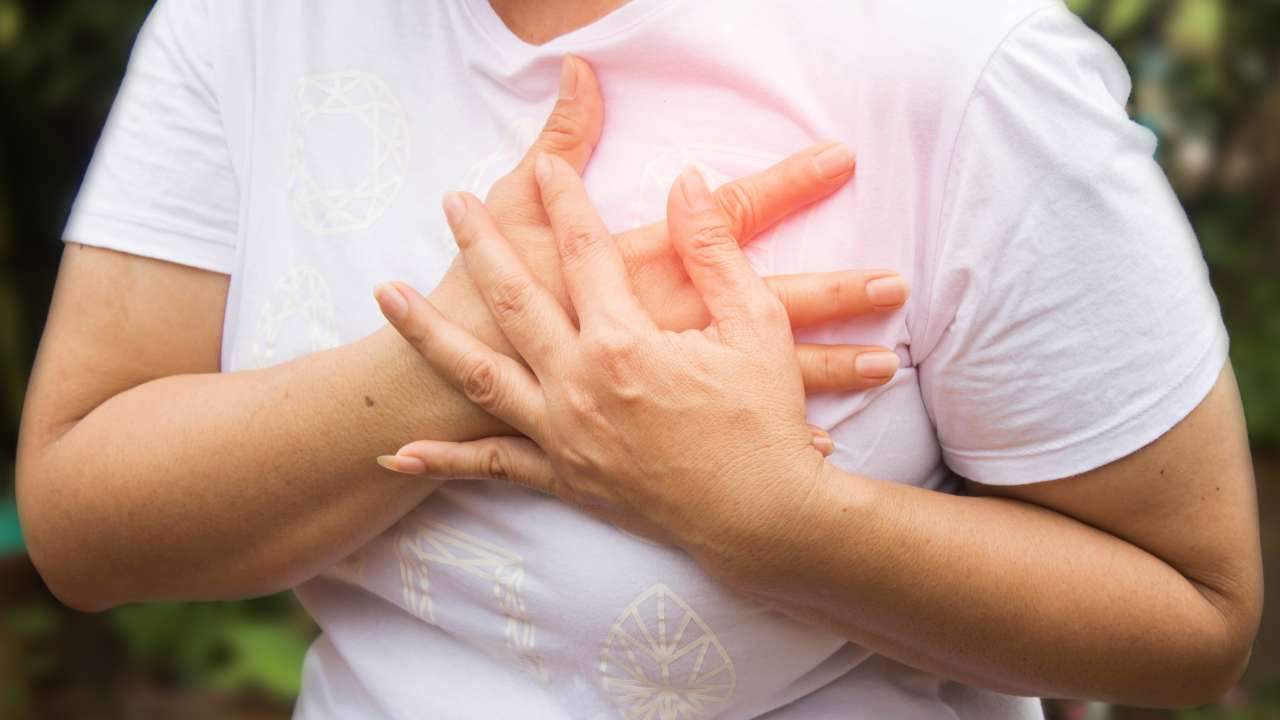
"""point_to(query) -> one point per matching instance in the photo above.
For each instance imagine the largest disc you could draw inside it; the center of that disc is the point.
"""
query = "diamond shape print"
(301, 297)
(362, 201)
(480, 176)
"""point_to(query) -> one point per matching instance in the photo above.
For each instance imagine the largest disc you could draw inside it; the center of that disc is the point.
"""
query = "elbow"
(1240, 615)
(64, 581)
(59, 556)
(63, 575)
(1211, 680)
(1219, 663)
(73, 595)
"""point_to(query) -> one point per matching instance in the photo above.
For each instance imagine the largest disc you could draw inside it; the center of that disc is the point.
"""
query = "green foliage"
(227, 646)
(10, 534)
(60, 64)
(30, 626)
(1121, 16)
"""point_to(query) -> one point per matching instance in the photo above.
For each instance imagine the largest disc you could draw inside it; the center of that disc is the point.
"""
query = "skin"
(126, 486)
(540, 22)
(1139, 582)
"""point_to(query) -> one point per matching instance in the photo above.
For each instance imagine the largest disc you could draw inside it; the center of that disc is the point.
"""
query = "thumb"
(573, 128)
(570, 132)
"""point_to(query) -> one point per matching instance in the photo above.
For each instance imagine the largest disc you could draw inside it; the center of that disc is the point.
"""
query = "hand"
(751, 205)
(674, 435)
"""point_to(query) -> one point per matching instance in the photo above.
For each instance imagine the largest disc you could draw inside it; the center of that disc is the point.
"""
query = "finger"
(815, 298)
(530, 317)
(701, 235)
(516, 460)
(571, 132)
(822, 441)
(499, 385)
(757, 202)
(594, 273)
(842, 368)
(573, 128)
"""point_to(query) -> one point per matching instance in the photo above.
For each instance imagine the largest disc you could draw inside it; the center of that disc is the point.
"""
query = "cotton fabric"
(1061, 315)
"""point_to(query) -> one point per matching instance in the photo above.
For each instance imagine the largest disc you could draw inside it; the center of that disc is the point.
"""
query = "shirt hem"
(149, 241)
(1120, 440)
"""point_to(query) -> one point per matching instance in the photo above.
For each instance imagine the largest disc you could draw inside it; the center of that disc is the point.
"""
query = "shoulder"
(929, 55)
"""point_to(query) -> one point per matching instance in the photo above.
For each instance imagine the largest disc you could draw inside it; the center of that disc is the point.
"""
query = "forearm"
(235, 484)
(990, 592)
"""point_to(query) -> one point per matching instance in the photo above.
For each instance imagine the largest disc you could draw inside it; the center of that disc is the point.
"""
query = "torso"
(348, 122)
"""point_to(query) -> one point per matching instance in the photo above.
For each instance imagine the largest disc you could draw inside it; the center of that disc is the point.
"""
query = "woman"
(1061, 323)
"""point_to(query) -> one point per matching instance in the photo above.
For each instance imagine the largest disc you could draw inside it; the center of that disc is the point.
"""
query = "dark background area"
(1206, 81)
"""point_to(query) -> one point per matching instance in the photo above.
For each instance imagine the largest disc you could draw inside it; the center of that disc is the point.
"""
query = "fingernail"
(694, 189)
(391, 300)
(887, 291)
(403, 465)
(880, 364)
(834, 162)
(568, 79)
(542, 168)
(455, 208)
(824, 444)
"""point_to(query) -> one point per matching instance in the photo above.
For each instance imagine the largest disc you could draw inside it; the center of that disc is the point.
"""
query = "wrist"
(458, 299)
(430, 407)
(751, 544)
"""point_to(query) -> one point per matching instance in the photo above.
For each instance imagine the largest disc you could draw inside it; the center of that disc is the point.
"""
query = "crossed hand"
(651, 375)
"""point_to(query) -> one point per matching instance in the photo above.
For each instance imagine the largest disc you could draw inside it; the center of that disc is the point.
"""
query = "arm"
(1138, 582)
(143, 473)
(146, 474)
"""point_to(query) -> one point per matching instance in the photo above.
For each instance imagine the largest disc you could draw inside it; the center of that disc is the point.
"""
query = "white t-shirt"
(1061, 315)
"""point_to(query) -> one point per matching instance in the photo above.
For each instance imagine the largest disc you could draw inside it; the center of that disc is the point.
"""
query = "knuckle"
(616, 355)
(509, 297)
(578, 241)
(712, 243)
(479, 377)
(839, 293)
(497, 462)
(578, 461)
(583, 406)
(562, 132)
(415, 333)
(627, 391)
(613, 347)
(828, 374)
(464, 235)
(739, 204)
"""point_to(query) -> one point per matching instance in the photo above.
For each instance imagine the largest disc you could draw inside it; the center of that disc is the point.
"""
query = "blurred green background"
(1206, 80)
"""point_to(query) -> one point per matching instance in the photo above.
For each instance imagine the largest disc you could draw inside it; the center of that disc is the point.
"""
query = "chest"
(350, 137)
(348, 141)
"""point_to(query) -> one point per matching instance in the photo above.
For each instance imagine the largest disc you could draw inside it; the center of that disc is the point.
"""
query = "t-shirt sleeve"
(161, 183)
(1070, 316)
